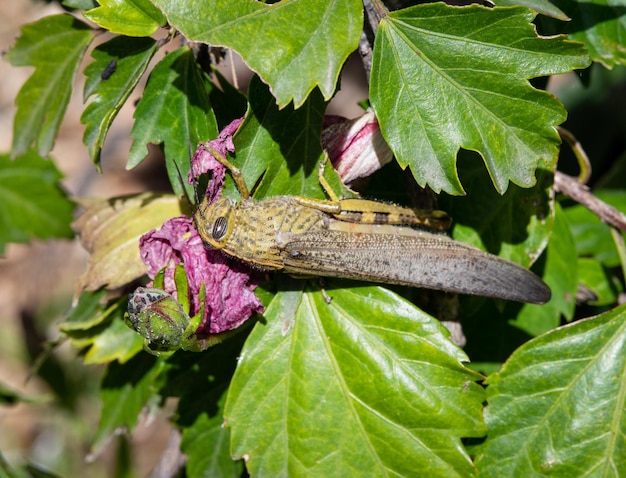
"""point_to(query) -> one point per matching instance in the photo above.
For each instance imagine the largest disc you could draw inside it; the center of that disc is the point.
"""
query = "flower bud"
(158, 317)
(356, 147)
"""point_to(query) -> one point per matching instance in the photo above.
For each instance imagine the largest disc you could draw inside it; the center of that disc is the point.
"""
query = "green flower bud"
(158, 317)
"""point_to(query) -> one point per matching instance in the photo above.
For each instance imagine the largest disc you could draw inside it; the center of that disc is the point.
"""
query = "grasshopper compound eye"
(219, 228)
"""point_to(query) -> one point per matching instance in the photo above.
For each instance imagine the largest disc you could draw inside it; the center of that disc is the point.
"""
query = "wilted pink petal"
(159, 249)
(356, 148)
(204, 162)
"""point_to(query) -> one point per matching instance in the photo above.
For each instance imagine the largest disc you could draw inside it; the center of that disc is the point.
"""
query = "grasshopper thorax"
(214, 222)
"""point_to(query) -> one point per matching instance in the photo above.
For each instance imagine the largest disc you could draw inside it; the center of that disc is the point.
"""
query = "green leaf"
(132, 56)
(516, 225)
(207, 446)
(540, 6)
(356, 385)
(125, 391)
(54, 46)
(87, 313)
(281, 147)
(116, 342)
(100, 329)
(201, 381)
(174, 110)
(557, 407)
(80, 4)
(592, 236)
(134, 18)
(600, 25)
(294, 46)
(110, 230)
(561, 274)
(32, 205)
(598, 280)
(442, 81)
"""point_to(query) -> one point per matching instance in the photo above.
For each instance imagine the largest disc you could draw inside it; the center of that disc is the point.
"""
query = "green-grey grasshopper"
(357, 239)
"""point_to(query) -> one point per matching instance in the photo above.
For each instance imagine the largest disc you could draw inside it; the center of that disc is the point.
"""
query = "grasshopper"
(357, 239)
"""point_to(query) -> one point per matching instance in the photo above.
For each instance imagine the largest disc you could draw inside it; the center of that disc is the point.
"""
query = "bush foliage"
(368, 383)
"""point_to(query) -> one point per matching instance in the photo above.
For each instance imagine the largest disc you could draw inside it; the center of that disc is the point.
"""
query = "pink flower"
(229, 284)
(356, 147)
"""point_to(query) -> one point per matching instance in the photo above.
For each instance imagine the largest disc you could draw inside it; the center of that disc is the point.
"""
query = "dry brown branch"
(570, 186)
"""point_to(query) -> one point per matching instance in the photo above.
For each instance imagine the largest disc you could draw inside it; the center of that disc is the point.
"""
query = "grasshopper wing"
(398, 255)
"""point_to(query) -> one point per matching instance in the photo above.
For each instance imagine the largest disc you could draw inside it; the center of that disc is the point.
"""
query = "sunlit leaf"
(358, 385)
(54, 46)
(116, 342)
(281, 147)
(174, 111)
(136, 18)
(541, 6)
(86, 314)
(441, 80)
(294, 45)
(558, 405)
(131, 57)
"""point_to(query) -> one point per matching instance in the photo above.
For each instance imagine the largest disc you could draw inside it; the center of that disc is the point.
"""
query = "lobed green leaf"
(201, 382)
(174, 111)
(295, 46)
(116, 342)
(135, 18)
(126, 389)
(592, 236)
(100, 329)
(358, 385)
(54, 46)
(280, 148)
(558, 405)
(600, 25)
(32, 204)
(86, 314)
(540, 6)
(207, 445)
(560, 272)
(445, 78)
(516, 225)
(132, 56)
(599, 281)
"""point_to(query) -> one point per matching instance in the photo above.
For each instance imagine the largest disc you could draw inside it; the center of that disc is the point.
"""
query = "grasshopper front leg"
(235, 172)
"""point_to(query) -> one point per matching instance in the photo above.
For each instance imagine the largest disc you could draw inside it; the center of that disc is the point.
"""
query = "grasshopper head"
(214, 222)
